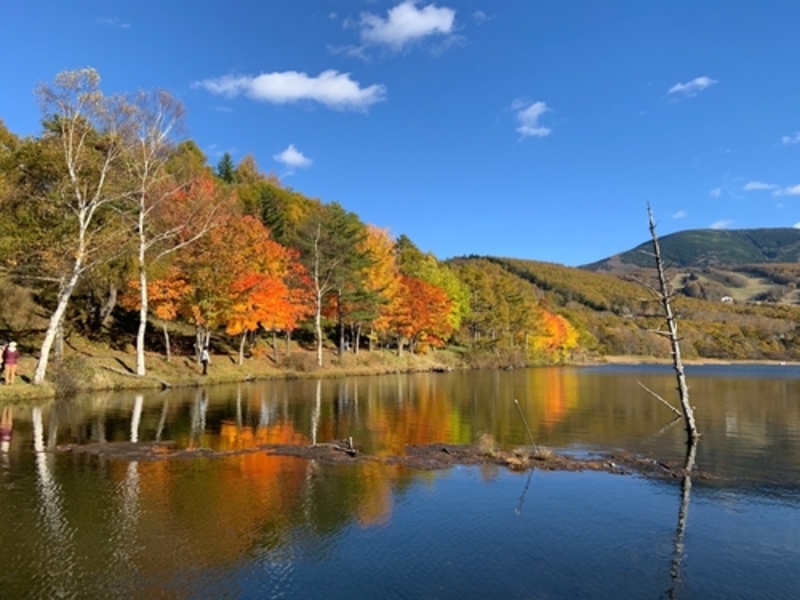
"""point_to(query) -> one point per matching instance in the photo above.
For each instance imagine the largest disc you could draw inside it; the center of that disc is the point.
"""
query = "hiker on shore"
(204, 359)
(10, 359)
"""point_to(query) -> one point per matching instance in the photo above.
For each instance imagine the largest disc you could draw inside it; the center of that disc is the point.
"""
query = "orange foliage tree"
(419, 315)
(558, 338)
(265, 293)
(240, 279)
(165, 294)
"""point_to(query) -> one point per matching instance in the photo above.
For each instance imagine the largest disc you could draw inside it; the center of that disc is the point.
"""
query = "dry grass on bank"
(88, 367)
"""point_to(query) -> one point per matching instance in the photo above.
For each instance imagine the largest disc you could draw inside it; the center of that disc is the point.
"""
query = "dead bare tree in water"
(692, 434)
(665, 293)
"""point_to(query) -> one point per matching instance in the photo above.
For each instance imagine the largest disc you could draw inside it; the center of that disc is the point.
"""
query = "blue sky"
(520, 128)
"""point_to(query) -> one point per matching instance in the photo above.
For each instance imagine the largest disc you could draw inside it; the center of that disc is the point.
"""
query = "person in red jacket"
(10, 360)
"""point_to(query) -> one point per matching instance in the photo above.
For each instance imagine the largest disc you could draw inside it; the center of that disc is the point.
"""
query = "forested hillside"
(115, 229)
(615, 316)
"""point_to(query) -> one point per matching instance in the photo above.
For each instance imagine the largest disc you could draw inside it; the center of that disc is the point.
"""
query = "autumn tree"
(8, 144)
(210, 263)
(247, 172)
(261, 293)
(187, 161)
(558, 338)
(329, 244)
(381, 281)
(282, 210)
(419, 315)
(166, 294)
(413, 262)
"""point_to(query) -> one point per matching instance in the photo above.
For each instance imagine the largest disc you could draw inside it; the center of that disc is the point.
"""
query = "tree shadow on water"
(678, 547)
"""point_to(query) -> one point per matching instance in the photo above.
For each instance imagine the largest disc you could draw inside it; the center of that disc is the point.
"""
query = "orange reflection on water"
(235, 437)
(560, 394)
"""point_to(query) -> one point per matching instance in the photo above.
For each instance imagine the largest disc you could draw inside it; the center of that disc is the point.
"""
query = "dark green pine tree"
(226, 170)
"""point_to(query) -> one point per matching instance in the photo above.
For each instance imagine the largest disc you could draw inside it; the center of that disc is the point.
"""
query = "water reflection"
(750, 424)
(57, 550)
(205, 527)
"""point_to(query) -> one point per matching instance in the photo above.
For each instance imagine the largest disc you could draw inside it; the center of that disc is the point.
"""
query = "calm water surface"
(258, 526)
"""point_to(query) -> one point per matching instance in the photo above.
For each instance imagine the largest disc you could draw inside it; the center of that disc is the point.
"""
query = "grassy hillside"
(747, 265)
(712, 247)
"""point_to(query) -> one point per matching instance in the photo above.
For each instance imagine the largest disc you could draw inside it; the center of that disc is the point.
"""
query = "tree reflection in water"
(518, 509)
(683, 512)
(60, 558)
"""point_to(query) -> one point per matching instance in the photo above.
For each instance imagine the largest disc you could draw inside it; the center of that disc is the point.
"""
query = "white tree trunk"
(241, 348)
(141, 368)
(318, 329)
(54, 324)
(319, 296)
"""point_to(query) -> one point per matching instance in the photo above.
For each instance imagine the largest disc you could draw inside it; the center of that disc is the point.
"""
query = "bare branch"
(660, 399)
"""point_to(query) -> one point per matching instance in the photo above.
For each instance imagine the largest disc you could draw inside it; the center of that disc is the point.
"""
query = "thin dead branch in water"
(528, 429)
(660, 399)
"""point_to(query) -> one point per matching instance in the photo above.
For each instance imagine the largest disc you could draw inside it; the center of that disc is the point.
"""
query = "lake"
(252, 525)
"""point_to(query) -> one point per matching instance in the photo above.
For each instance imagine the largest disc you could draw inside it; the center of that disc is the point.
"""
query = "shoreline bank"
(85, 372)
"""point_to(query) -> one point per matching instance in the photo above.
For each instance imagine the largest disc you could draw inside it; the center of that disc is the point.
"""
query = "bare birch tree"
(156, 124)
(89, 129)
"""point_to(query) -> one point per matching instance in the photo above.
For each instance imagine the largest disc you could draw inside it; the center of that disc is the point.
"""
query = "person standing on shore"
(10, 359)
(204, 358)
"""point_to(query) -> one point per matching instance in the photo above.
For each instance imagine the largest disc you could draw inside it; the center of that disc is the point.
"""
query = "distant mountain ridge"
(711, 248)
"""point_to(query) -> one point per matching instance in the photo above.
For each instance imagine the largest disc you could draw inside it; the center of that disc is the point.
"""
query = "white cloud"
(293, 158)
(716, 192)
(751, 186)
(112, 22)
(791, 139)
(681, 214)
(480, 16)
(359, 52)
(698, 84)
(451, 41)
(331, 88)
(528, 115)
(406, 23)
(721, 224)
(796, 225)
(792, 190)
